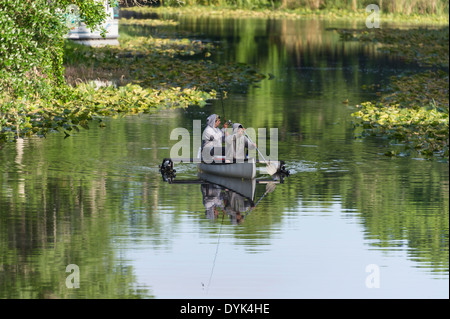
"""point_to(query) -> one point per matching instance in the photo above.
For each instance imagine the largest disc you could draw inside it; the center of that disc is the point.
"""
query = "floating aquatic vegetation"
(148, 22)
(166, 47)
(424, 130)
(424, 46)
(78, 108)
(414, 110)
(417, 90)
(415, 114)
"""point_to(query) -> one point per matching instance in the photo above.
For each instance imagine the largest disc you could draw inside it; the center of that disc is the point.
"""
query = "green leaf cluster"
(32, 43)
(422, 129)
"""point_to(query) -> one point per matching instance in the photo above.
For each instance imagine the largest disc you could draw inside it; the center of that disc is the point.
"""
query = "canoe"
(244, 170)
(241, 170)
(244, 187)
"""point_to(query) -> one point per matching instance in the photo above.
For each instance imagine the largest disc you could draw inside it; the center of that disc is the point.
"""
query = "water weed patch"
(413, 111)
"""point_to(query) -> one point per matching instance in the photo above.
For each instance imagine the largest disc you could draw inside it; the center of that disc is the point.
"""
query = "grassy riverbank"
(142, 75)
(333, 12)
(424, 7)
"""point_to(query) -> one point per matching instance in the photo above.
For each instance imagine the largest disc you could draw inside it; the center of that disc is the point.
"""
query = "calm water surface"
(347, 218)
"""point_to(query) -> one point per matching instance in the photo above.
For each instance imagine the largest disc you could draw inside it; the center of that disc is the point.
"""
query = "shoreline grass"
(335, 13)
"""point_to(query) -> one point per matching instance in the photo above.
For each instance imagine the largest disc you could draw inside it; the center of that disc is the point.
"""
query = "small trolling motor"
(166, 170)
(283, 169)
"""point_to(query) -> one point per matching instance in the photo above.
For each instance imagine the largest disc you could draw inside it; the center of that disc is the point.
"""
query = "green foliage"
(31, 50)
(31, 56)
(420, 89)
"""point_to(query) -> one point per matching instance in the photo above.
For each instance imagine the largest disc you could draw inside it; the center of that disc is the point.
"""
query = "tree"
(32, 40)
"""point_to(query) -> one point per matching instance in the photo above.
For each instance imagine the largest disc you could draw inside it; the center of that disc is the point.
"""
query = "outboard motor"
(166, 170)
(283, 169)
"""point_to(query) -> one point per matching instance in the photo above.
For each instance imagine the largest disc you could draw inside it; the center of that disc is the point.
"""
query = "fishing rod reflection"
(228, 196)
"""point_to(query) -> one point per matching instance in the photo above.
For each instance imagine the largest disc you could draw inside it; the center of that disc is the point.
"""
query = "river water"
(349, 222)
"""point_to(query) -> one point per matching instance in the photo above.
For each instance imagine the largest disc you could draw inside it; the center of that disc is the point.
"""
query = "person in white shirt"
(237, 143)
(213, 137)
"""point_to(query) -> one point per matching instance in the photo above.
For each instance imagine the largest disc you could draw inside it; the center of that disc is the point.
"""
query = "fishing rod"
(221, 98)
(215, 255)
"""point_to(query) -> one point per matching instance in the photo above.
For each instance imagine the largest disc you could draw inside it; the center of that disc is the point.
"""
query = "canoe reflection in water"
(221, 196)
(229, 196)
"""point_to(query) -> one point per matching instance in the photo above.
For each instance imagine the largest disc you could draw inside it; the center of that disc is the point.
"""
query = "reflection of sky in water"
(323, 256)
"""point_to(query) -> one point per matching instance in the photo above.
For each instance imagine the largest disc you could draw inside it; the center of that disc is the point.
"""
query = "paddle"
(270, 187)
(271, 168)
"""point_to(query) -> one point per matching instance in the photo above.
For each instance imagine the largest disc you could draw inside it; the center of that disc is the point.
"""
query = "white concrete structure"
(83, 35)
